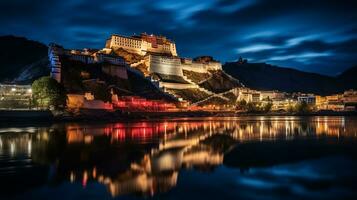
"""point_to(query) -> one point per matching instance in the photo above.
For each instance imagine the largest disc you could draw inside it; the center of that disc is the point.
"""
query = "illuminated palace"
(142, 44)
(198, 83)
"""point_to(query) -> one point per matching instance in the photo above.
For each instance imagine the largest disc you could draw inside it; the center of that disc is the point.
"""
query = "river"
(196, 158)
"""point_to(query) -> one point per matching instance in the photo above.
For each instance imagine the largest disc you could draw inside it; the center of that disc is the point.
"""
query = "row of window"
(127, 45)
(134, 43)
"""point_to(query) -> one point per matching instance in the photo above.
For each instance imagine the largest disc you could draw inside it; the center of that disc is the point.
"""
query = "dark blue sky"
(311, 35)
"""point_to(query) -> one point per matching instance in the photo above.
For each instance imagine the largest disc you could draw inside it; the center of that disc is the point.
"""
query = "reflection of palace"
(178, 146)
(146, 157)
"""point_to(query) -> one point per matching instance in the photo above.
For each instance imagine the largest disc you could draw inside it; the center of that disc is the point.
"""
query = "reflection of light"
(85, 179)
(72, 177)
(12, 148)
(88, 139)
(94, 172)
(29, 147)
(45, 136)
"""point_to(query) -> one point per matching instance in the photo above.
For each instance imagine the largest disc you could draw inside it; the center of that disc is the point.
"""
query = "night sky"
(313, 35)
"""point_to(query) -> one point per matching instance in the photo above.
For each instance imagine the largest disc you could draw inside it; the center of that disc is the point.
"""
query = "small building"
(15, 96)
(331, 102)
(350, 96)
(283, 104)
(248, 95)
(86, 101)
(309, 99)
(272, 94)
(136, 103)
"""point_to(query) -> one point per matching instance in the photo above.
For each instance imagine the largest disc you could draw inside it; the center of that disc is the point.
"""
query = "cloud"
(256, 47)
(300, 57)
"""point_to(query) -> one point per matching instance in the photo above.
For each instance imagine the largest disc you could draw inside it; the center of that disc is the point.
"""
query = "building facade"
(164, 65)
(309, 99)
(248, 95)
(54, 52)
(142, 44)
(15, 96)
(190, 65)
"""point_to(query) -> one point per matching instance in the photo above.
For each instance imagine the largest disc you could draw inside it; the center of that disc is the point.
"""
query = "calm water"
(211, 158)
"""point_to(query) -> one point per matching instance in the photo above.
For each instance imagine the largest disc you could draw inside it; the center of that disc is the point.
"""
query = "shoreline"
(110, 116)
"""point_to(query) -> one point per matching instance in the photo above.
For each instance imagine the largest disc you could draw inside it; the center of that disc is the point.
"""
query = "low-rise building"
(135, 103)
(350, 100)
(272, 94)
(15, 96)
(331, 102)
(86, 101)
(350, 96)
(307, 98)
(283, 104)
(248, 95)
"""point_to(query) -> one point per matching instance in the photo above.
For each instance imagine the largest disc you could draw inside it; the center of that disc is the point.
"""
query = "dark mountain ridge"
(18, 55)
(262, 76)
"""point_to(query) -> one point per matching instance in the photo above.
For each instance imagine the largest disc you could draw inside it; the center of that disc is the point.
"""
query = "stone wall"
(178, 86)
(165, 65)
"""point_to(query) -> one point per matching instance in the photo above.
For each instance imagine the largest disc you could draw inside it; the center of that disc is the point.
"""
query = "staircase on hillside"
(212, 94)
(142, 61)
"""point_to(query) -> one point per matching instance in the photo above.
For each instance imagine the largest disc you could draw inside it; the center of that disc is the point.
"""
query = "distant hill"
(263, 76)
(22, 60)
(348, 79)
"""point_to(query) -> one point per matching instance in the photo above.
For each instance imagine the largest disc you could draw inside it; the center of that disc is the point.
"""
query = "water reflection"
(147, 157)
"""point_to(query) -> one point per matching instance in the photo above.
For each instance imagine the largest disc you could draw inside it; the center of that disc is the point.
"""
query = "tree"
(241, 105)
(290, 108)
(303, 107)
(48, 92)
(267, 107)
(252, 107)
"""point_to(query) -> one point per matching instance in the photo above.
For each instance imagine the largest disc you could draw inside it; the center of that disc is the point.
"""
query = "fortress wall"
(178, 86)
(202, 68)
(194, 68)
(113, 70)
(214, 66)
(165, 65)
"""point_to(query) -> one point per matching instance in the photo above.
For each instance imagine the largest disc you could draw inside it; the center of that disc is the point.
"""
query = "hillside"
(263, 76)
(348, 78)
(22, 60)
(219, 82)
(79, 78)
